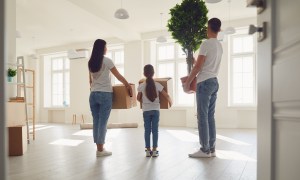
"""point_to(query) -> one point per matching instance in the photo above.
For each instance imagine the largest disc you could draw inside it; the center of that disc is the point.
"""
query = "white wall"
(136, 54)
(227, 117)
(10, 28)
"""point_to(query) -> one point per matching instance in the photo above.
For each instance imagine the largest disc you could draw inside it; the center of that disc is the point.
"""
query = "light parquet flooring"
(64, 152)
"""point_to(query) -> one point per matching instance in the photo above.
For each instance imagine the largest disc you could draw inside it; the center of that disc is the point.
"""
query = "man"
(207, 67)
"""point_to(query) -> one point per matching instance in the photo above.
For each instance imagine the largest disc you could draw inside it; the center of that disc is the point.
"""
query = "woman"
(101, 92)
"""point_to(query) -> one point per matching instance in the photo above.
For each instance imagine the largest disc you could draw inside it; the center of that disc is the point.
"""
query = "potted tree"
(188, 25)
(11, 73)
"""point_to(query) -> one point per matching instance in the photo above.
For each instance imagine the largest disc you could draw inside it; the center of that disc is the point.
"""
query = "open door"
(278, 62)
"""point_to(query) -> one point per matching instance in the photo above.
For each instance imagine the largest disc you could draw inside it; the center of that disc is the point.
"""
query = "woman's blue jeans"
(151, 119)
(100, 104)
(206, 103)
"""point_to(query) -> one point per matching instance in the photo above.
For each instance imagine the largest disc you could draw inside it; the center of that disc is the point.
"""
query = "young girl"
(148, 95)
(101, 92)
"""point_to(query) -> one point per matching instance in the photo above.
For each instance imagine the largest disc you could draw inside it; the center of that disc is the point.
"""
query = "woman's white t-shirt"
(101, 80)
(212, 50)
(148, 105)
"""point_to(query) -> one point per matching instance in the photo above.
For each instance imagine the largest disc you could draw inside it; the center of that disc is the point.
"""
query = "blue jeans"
(100, 104)
(206, 103)
(151, 119)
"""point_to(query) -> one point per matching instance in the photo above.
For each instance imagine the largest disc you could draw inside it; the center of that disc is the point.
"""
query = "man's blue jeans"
(151, 119)
(100, 104)
(206, 103)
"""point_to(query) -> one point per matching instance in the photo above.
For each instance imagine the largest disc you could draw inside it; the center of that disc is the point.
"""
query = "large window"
(171, 62)
(242, 69)
(117, 56)
(57, 80)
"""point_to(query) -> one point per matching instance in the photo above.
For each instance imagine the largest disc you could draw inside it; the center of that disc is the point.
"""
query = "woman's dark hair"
(151, 92)
(96, 60)
(215, 24)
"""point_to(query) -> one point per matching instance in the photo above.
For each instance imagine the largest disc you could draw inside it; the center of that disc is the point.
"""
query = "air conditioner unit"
(78, 54)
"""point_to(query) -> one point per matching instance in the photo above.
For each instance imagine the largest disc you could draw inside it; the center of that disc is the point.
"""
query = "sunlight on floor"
(190, 137)
(233, 141)
(184, 135)
(39, 127)
(112, 133)
(84, 133)
(233, 155)
(67, 142)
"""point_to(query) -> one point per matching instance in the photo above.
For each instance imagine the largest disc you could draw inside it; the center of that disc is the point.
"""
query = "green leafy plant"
(188, 25)
(11, 72)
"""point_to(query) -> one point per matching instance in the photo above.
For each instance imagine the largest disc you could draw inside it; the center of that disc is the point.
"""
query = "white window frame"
(48, 79)
(113, 50)
(176, 61)
(64, 71)
(241, 32)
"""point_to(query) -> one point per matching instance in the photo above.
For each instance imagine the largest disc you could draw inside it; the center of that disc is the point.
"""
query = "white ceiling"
(46, 23)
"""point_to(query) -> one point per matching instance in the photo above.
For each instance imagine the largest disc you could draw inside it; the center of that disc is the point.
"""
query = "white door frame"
(3, 136)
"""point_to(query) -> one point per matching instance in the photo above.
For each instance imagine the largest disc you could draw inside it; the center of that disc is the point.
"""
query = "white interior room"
(49, 29)
(75, 24)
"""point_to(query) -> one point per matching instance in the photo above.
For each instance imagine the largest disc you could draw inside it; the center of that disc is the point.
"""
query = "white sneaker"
(148, 153)
(103, 153)
(155, 153)
(213, 154)
(200, 154)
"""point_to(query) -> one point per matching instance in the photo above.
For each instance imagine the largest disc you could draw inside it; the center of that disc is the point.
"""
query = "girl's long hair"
(96, 60)
(151, 92)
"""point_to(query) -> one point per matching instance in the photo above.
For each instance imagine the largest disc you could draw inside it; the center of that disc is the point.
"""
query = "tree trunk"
(190, 60)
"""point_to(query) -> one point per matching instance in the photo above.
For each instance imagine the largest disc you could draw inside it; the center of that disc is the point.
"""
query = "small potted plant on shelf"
(11, 73)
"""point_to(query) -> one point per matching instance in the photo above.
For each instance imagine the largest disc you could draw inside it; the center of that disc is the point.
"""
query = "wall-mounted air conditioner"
(78, 54)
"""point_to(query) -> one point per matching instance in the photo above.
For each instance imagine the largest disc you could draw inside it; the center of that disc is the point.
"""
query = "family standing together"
(205, 70)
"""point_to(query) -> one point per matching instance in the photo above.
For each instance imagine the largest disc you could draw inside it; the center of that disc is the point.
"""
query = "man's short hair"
(214, 24)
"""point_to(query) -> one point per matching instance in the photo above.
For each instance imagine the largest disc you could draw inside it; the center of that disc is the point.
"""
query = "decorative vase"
(9, 78)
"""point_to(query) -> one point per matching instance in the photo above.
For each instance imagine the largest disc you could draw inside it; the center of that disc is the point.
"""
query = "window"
(59, 76)
(116, 54)
(171, 62)
(242, 69)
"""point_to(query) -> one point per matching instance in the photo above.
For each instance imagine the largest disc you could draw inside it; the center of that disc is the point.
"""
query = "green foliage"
(11, 72)
(188, 25)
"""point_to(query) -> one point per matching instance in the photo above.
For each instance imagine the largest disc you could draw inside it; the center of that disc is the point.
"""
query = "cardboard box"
(168, 87)
(121, 98)
(15, 114)
(17, 143)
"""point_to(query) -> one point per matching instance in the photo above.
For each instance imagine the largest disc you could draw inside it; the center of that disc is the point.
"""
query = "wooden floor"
(64, 152)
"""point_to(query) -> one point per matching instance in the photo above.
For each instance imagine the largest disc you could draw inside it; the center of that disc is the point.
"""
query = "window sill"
(56, 108)
(181, 107)
(243, 108)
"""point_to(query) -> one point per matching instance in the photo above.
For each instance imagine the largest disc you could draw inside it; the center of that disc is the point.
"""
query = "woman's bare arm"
(122, 79)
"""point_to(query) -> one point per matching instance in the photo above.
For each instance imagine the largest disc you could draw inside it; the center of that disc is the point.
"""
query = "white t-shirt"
(101, 80)
(212, 50)
(147, 104)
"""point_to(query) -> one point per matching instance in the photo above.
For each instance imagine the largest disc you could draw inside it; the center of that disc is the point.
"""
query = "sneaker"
(155, 153)
(148, 153)
(103, 153)
(213, 154)
(200, 154)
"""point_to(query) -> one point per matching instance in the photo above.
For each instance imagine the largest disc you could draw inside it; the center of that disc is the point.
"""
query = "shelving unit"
(21, 82)
(29, 101)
